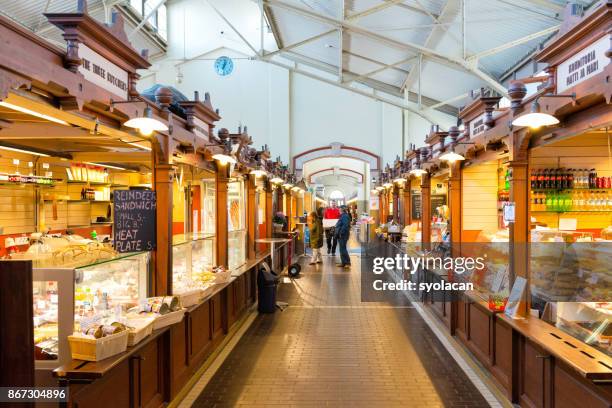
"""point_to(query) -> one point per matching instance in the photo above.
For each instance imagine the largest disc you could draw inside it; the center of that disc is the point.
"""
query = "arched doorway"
(337, 196)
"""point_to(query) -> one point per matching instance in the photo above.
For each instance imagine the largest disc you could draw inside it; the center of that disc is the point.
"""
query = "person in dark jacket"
(315, 225)
(343, 230)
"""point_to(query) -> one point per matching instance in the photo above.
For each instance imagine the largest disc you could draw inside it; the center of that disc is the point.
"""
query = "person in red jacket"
(331, 213)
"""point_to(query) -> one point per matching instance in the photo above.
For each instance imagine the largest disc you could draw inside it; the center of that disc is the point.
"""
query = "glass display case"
(67, 292)
(236, 206)
(192, 255)
(571, 284)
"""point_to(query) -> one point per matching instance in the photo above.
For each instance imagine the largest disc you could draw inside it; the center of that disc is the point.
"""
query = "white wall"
(289, 112)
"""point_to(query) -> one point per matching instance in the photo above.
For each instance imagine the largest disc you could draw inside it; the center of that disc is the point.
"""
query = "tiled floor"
(329, 349)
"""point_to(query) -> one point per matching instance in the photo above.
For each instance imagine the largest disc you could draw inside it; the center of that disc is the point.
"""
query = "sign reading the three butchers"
(134, 216)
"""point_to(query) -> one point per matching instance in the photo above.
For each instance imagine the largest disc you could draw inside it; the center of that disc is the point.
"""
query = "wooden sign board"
(134, 217)
(583, 65)
(436, 201)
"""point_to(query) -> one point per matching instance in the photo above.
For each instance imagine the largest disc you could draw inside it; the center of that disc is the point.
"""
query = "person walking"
(315, 225)
(343, 230)
(331, 213)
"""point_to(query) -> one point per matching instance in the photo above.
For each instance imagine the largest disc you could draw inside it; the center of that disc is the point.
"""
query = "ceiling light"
(388, 185)
(147, 148)
(277, 180)
(287, 185)
(417, 172)
(33, 113)
(223, 159)
(106, 165)
(14, 149)
(535, 119)
(399, 180)
(451, 157)
(258, 173)
(379, 188)
(146, 124)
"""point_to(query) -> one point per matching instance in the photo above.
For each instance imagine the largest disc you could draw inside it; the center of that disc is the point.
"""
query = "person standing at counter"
(331, 213)
(315, 225)
(343, 229)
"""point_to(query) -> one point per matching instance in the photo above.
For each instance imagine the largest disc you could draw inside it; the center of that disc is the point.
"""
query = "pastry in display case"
(192, 265)
(68, 297)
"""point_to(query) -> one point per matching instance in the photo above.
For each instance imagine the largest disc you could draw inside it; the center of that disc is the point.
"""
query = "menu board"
(435, 201)
(134, 220)
(416, 206)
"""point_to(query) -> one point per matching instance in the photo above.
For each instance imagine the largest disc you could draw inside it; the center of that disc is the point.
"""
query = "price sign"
(134, 216)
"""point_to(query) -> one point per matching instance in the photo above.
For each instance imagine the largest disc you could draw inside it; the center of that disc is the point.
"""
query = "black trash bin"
(267, 282)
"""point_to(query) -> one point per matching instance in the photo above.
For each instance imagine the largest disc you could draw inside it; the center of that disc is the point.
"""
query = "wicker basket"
(88, 349)
(141, 329)
(168, 319)
(222, 277)
(190, 297)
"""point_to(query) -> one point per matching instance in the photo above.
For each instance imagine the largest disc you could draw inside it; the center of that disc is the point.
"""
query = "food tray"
(189, 297)
(88, 349)
(141, 329)
(168, 319)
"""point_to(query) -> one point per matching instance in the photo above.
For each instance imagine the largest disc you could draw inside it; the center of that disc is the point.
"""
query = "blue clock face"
(224, 66)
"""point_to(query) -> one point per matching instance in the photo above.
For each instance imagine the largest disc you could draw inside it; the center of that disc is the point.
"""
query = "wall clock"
(224, 65)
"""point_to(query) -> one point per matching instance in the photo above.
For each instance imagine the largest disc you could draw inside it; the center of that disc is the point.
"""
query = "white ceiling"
(378, 32)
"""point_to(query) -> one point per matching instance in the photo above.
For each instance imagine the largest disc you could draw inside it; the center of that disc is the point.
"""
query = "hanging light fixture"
(276, 180)
(451, 156)
(417, 172)
(387, 184)
(224, 159)
(258, 173)
(146, 124)
(399, 180)
(287, 185)
(536, 119)
(379, 188)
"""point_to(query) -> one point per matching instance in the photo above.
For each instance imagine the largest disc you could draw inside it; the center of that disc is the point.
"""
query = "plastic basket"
(141, 329)
(168, 319)
(88, 349)
(189, 297)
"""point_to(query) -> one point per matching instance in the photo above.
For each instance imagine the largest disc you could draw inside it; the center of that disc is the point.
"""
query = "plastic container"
(85, 348)
(168, 319)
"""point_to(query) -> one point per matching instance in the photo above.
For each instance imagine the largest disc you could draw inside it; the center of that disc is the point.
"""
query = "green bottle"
(549, 202)
(507, 180)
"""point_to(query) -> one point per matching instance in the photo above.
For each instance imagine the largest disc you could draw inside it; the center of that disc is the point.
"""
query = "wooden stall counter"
(585, 360)
(142, 367)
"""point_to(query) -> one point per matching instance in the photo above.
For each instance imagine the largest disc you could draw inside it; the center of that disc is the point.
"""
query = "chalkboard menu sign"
(436, 201)
(134, 227)
(416, 206)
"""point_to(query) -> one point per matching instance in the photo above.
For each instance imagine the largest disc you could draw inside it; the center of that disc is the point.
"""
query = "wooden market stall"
(555, 352)
(68, 154)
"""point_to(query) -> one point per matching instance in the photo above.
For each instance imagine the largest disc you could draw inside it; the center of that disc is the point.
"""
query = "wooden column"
(162, 256)
(269, 211)
(407, 200)
(221, 203)
(396, 202)
(17, 334)
(381, 211)
(251, 216)
(426, 210)
(519, 230)
(455, 211)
